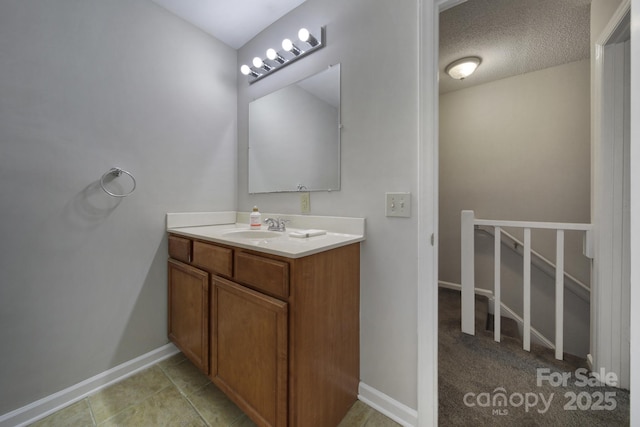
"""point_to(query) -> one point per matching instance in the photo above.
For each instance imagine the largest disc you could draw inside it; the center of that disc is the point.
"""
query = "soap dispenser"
(255, 219)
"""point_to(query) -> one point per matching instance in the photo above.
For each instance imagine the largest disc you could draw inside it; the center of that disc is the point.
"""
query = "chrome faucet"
(276, 224)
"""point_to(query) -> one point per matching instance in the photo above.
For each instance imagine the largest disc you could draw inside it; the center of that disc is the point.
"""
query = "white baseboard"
(384, 404)
(50, 404)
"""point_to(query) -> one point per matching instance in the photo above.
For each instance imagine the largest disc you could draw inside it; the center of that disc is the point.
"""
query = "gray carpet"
(474, 371)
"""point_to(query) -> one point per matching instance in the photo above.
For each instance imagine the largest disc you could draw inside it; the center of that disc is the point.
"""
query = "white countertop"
(283, 245)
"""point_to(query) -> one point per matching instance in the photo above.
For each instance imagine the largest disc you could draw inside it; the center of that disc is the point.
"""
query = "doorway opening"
(467, 117)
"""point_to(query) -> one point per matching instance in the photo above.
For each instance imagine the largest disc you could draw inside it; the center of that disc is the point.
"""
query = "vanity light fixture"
(463, 68)
(289, 54)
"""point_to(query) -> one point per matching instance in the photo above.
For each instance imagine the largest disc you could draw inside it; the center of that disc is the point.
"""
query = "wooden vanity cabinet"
(189, 312)
(249, 350)
(283, 333)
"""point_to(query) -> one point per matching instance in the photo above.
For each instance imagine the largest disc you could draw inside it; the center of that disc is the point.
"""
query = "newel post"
(467, 280)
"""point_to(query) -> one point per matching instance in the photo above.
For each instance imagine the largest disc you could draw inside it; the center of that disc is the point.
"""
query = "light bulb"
(248, 71)
(259, 63)
(272, 54)
(290, 47)
(303, 34)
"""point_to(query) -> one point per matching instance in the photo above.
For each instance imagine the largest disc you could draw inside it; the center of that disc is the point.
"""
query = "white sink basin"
(253, 234)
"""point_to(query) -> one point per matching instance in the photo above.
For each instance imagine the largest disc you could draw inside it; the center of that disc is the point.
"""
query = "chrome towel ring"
(117, 172)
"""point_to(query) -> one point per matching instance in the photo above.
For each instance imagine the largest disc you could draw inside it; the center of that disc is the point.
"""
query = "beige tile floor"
(174, 393)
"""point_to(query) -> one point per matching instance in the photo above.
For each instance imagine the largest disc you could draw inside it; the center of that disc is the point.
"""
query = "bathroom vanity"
(273, 320)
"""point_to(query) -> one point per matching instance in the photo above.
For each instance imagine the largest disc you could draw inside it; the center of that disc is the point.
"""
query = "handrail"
(543, 263)
(533, 224)
(468, 223)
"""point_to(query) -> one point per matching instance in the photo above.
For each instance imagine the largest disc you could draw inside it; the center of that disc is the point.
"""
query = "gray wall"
(84, 86)
(519, 149)
(376, 43)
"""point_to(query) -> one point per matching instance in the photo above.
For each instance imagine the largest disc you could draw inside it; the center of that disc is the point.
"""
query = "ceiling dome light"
(463, 68)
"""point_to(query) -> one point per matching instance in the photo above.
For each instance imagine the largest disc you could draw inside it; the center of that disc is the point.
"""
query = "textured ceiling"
(512, 37)
(234, 22)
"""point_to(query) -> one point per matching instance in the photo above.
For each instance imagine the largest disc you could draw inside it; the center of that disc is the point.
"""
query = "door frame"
(634, 190)
(428, 136)
(610, 313)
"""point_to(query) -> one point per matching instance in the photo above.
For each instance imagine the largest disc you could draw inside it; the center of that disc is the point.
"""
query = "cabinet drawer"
(180, 248)
(215, 259)
(261, 273)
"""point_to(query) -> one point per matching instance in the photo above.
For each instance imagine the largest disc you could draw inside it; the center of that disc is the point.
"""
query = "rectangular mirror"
(294, 136)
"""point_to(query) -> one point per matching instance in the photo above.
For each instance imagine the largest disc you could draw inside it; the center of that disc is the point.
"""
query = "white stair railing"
(468, 223)
(509, 241)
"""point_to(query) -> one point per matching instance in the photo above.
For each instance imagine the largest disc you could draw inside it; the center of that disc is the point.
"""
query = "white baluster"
(559, 294)
(467, 280)
(496, 284)
(526, 291)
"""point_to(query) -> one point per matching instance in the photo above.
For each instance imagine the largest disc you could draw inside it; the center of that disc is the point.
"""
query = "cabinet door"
(249, 350)
(189, 312)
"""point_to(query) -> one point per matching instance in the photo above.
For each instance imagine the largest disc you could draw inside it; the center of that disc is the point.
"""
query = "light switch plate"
(398, 204)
